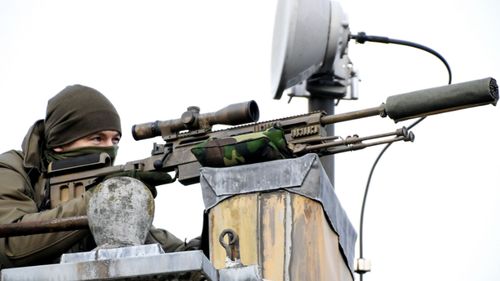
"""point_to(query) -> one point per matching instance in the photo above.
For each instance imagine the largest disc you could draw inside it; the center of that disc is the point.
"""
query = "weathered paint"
(315, 251)
(231, 216)
(273, 228)
(286, 234)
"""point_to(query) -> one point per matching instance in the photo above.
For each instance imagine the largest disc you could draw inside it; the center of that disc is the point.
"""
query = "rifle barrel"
(368, 112)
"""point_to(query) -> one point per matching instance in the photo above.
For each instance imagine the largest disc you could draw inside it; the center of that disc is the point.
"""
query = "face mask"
(51, 155)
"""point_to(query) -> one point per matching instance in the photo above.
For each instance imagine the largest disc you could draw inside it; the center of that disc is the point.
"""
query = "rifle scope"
(234, 114)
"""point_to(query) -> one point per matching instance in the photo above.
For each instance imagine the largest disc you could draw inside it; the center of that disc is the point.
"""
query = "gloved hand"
(150, 178)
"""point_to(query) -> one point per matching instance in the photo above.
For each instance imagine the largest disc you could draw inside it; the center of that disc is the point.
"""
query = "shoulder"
(11, 163)
(12, 159)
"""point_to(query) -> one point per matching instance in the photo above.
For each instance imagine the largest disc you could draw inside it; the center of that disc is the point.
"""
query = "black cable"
(361, 37)
(366, 195)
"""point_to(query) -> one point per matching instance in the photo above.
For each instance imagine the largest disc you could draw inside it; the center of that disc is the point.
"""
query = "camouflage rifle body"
(303, 133)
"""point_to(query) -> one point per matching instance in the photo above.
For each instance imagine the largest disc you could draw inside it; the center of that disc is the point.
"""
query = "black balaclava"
(75, 112)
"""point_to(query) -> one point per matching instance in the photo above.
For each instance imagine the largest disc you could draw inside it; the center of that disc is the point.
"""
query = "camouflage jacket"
(20, 197)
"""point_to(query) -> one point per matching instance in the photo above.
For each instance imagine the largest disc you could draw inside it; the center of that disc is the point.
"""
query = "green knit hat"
(78, 111)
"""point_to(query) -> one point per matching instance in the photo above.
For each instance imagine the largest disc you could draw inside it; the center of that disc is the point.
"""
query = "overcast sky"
(432, 211)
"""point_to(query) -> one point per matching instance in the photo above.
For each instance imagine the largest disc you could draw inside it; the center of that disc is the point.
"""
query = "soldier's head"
(80, 116)
(78, 120)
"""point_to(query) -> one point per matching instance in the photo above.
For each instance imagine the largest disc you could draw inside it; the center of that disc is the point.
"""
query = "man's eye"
(116, 140)
(96, 139)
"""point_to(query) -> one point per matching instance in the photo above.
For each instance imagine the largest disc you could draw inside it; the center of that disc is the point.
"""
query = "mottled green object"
(243, 149)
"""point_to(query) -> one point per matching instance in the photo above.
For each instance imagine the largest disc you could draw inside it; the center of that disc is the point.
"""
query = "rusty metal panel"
(260, 232)
(285, 233)
(239, 214)
(272, 232)
(315, 253)
(302, 176)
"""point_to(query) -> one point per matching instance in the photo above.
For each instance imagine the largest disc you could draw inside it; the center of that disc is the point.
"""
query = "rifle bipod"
(332, 145)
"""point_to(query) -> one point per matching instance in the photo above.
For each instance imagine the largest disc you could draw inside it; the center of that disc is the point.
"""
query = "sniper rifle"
(303, 133)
